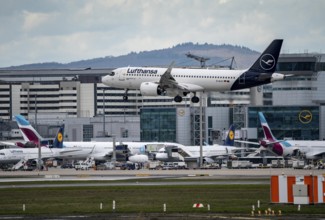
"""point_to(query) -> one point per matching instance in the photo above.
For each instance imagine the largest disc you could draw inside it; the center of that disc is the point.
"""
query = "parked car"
(67, 166)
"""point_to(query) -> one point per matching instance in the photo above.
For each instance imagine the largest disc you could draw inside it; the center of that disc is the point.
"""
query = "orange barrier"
(297, 189)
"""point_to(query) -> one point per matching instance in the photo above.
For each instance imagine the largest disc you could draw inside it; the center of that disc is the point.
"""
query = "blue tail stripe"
(21, 120)
(262, 118)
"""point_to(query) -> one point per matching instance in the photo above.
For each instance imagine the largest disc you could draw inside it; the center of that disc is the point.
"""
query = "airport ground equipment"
(297, 189)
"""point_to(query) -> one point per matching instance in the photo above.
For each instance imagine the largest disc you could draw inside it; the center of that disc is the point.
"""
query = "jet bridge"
(175, 153)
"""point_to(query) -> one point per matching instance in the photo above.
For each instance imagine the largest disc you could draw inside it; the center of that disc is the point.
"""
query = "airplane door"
(242, 78)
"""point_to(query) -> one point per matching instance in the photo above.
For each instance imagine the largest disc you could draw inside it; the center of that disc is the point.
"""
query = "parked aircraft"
(209, 153)
(285, 148)
(179, 82)
(99, 151)
(20, 156)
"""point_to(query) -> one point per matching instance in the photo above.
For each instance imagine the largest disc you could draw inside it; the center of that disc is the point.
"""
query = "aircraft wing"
(257, 143)
(247, 142)
(167, 81)
(315, 153)
(66, 151)
(12, 144)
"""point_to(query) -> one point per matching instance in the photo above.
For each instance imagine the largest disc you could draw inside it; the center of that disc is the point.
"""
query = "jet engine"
(277, 77)
(141, 158)
(151, 89)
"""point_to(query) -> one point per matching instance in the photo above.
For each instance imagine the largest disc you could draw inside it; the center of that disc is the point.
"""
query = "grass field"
(236, 199)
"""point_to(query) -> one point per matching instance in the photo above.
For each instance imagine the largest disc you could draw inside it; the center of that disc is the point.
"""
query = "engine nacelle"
(277, 77)
(139, 158)
(151, 89)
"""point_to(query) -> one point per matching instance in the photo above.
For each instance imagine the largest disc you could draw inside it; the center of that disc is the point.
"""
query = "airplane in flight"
(179, 82)
(209, 153)
(285, 148)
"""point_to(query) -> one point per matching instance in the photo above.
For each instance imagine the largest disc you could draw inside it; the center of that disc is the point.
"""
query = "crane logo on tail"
(267, 62)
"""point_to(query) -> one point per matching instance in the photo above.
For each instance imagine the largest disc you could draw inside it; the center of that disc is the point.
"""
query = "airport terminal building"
(91, 110)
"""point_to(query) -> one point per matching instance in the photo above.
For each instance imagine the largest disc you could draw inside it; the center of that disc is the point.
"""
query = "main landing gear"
(178, 98)
(194, 99)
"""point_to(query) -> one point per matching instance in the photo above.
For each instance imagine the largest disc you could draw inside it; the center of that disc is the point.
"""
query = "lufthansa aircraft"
(178, 82)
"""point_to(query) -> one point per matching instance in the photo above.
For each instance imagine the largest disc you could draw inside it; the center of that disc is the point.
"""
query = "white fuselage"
(101, 150)
(311, 149)
(196, 79)
(194, 151)
(75, 151)
(13, 155)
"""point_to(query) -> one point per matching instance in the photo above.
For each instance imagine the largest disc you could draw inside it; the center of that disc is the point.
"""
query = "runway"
(58, 174)
(136, 177)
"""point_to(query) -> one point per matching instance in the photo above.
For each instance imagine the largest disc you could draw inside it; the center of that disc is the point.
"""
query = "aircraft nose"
(105, 79)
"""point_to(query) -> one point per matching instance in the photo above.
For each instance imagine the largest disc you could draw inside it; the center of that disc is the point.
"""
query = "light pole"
(201, 132)
(104, 112)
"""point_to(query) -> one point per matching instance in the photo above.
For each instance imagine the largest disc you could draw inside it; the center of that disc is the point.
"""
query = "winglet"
(167, 76)
(170, 67)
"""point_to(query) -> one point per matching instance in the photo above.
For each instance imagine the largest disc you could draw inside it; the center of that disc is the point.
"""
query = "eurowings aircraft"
(14, 155)
(33, 140)
(179, 82)
(285, 148)
(209, 152)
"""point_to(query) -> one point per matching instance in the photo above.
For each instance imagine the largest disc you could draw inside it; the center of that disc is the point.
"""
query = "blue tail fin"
(230, 140)
(266, 63)
(58, 142)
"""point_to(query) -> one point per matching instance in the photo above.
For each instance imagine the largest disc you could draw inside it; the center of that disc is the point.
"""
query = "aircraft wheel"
(178, 98)
(195, 99)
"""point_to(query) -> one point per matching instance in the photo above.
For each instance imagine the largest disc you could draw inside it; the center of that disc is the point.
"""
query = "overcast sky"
(33, 31)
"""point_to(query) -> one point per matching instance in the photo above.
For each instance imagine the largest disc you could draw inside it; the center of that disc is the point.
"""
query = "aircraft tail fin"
(267, 61)
(266, 129)
(230, 140)
(27, 130)
(58, 141)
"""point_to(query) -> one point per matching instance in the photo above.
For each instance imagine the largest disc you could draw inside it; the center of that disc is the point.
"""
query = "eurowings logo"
(267, 62)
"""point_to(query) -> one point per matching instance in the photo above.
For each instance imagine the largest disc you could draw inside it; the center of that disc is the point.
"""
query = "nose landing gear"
(125, 96)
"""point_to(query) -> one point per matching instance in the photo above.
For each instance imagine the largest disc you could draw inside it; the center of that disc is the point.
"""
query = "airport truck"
(80, 165)
(298, 164)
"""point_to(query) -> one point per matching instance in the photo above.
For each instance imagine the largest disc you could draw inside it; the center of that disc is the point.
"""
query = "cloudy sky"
(33, 31)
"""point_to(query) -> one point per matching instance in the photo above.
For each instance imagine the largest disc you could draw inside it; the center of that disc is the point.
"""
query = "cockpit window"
(111, 73)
